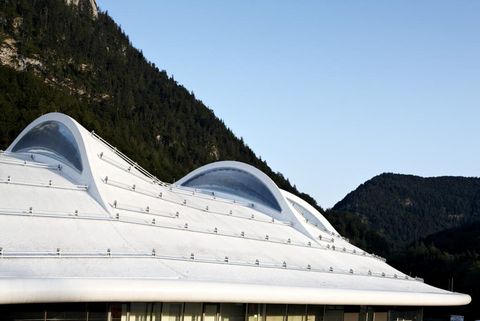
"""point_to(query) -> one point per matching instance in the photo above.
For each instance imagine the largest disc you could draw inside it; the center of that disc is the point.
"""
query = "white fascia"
(24, 290)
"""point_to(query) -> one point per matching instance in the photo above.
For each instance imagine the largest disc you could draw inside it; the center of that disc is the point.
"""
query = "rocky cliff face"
(90, 5)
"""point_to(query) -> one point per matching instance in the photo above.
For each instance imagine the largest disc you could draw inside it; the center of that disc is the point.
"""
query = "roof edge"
(36, 290)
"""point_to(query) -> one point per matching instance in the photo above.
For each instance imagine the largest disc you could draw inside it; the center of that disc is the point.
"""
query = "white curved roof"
(113, 232)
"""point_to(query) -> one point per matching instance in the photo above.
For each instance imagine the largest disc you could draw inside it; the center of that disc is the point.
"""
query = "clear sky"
(330, 93)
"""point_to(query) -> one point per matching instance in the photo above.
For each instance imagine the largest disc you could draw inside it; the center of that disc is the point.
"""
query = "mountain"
(406, 208)
(464, 239)
(66, 56)
(449, 259)
(428, 227)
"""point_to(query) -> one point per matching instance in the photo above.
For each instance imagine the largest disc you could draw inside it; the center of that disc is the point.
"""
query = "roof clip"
(192, 256)
(330, 269)
(226, 259)
(58, 251)
(289, 241)
(106, 180)
(30, 210)
(153, 221)
(257, 262)
(242, 234)
(266, 237)
(351, 271)
(134, 187)
(215, 230)
(160, 195)
(284, 264)
(147, 209)
(115, 203)
(177, 214)
(109, 252)
(100, 155)
(154, 252)
(206, 208)
(309, 243)
(186, 225)
(76, 212)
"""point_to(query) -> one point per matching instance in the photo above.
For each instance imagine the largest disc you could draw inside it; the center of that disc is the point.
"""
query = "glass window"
(353, 313)
(275, 312)
(232, 312)
(52, 139)
(296, 312)
(192, 312)
(69, 311)
(156, 312)
(381, 316)
(235, 182)
(118, 312)
(333, 313)
(210, 312)
(315, 312)
(172, 311)
(405, 314)
(254, 312)
(140, 312)
(23, 312)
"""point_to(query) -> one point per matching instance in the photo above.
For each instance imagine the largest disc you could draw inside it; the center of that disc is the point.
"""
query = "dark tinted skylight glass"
(52, 139)
(235, 182)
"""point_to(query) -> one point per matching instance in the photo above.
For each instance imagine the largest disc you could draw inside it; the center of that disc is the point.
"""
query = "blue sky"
(330, 93)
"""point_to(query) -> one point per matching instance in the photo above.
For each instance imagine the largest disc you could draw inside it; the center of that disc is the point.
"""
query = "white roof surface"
(113, 232)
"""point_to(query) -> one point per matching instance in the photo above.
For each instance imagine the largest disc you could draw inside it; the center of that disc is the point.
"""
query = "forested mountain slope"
(428, 227)
(60, 57)
(405, 208)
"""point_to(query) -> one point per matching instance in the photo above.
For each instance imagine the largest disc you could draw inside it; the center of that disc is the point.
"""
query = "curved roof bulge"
(234, 181)
(53, 139)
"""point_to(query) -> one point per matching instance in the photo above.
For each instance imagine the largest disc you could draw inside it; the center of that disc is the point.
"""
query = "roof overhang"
(16, 290)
